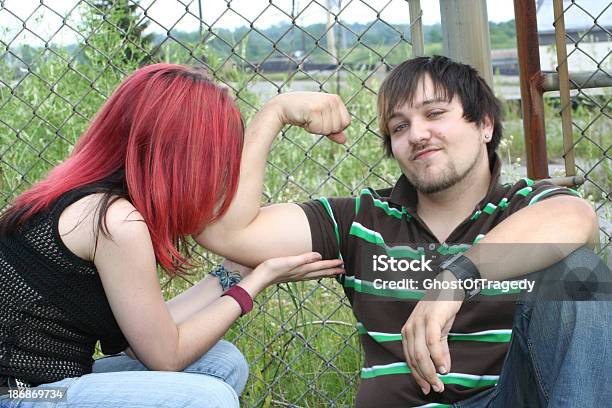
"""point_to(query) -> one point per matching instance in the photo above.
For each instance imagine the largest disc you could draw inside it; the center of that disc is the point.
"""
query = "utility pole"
(465, 30)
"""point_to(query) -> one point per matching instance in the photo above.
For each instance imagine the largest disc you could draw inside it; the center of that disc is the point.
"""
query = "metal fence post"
(531, 88)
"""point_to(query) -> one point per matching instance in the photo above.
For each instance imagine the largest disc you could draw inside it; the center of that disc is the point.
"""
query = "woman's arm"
(127, 268)
(247, 233)
(203, 293)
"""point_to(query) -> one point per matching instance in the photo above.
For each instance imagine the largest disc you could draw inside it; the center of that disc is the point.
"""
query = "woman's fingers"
(287, 263)
(319, 265)
(300, 267)
(318, 274)
(316, 270)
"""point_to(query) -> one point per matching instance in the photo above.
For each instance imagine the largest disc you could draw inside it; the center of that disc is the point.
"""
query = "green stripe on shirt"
(393, 212)
(544, 193)
(374, 237)
(466, 380)
(489, 336)
(328, 208)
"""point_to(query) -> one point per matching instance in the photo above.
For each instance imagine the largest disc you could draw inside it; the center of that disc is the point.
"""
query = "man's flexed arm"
(247, 233)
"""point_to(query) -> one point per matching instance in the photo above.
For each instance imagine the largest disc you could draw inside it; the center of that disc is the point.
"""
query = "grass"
(300, 340)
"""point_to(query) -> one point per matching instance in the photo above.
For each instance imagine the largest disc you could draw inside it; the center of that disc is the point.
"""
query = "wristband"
(464, 269)
(242, 297)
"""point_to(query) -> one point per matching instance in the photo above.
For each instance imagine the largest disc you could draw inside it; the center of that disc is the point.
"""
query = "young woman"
(79, 250)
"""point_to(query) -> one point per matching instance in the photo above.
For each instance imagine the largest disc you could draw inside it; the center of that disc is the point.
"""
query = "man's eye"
(434, 114)
(399, 127)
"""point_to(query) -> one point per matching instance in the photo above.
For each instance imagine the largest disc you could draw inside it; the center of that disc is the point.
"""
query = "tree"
(124, 16)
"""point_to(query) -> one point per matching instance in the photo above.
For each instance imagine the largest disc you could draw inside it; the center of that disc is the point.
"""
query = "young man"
(441, 122)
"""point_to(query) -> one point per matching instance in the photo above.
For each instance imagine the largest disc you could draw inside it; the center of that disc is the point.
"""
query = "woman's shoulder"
(78, 223)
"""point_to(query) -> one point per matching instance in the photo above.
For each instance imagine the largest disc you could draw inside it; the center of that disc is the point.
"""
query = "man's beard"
(449, 177)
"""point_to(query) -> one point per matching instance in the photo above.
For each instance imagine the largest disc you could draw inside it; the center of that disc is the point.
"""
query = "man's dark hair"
(450, 79)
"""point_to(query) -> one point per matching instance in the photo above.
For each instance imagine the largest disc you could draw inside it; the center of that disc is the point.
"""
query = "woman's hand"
(317, 112)
(290, 269)
(297, 268)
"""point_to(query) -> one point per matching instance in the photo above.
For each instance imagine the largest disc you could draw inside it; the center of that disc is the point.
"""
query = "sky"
(166, 14)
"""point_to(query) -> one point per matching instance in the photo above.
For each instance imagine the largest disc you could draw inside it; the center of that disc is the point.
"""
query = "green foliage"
(361, 41)
(503, 35)
(124, 18)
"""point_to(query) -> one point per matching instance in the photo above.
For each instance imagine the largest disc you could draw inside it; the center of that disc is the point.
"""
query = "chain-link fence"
(60, 63)
(584, 66)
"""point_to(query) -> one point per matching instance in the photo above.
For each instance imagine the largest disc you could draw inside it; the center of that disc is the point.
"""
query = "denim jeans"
(215, 380)
(561, 351)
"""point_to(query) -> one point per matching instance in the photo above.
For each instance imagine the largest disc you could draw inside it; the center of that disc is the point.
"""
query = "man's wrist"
(464, 270)
(274, 110)
(453, 290)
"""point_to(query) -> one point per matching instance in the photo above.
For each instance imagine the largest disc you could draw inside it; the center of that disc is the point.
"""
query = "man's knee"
(582, 275)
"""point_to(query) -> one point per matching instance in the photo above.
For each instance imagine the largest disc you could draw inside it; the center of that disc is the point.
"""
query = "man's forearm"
(535, 238)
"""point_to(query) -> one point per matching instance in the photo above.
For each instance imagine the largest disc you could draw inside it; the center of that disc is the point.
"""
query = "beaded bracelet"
(227, 279)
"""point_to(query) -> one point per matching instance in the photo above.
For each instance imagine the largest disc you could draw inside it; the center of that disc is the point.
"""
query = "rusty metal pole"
(531, 79)
(569, 154)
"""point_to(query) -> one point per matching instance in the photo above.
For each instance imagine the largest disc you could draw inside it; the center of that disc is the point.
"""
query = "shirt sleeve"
(330, 220)
(528, 192)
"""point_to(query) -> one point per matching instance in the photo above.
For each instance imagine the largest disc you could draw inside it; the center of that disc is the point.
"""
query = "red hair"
(176, 136)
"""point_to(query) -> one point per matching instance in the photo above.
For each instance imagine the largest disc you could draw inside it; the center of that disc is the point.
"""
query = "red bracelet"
(242, 297)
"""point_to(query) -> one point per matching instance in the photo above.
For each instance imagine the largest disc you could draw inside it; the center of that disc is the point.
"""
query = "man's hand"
(425, 335)
(317, 112)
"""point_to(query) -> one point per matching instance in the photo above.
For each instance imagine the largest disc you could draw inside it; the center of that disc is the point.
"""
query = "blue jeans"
(561, 351)
(214, 380)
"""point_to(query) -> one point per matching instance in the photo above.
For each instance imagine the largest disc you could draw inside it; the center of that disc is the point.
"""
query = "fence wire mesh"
(587, 62)
(60, 63)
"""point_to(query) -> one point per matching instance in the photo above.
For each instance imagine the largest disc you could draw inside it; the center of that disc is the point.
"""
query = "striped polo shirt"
(385, 222)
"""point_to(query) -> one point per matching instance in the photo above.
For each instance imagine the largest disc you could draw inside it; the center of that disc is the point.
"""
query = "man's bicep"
(278, 230)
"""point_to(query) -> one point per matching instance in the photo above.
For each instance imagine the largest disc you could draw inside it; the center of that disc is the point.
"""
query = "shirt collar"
(404, 193)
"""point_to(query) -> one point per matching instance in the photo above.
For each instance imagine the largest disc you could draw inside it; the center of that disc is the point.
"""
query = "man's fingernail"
(424, 391)
(436, 388)
(442, 370)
